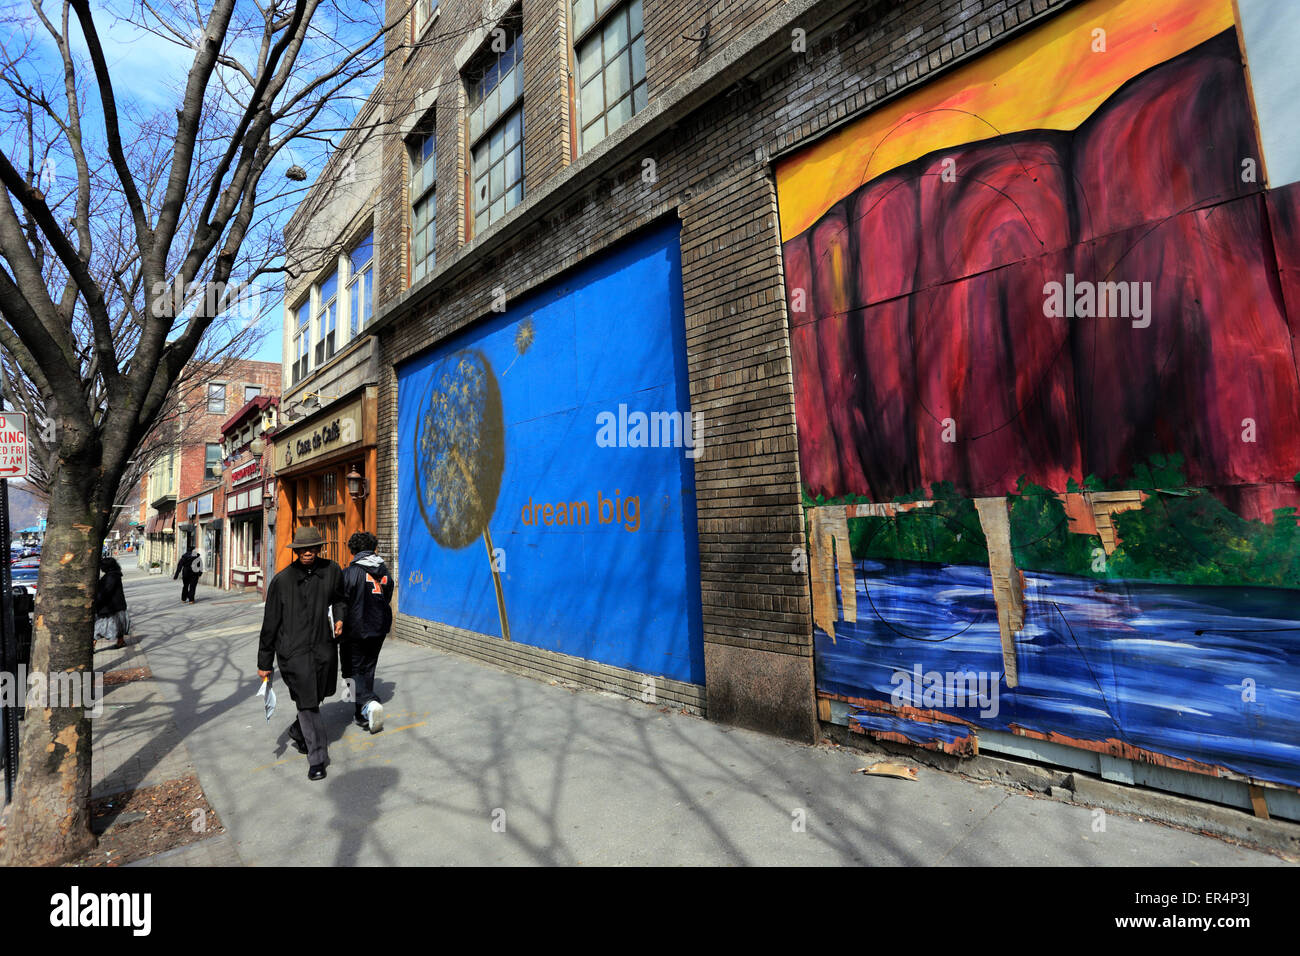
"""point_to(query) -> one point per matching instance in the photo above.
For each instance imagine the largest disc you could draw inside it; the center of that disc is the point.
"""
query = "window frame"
(366, 272)
(208, 473)
(425, 132)
(320, 324)
(302, 340)
(326, 343)
(222, 409)
(487, 62)
(593, 33)
(420, 23)
(257, 391)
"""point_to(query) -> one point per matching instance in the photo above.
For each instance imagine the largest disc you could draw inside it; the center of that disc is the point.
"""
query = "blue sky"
(149, 73)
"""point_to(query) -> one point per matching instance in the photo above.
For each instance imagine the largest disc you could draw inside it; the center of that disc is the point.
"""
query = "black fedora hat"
(306, 537)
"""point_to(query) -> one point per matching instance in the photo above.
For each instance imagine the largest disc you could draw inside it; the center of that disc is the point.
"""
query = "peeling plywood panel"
(1008, 582)
(829, 535)
(1107, 503)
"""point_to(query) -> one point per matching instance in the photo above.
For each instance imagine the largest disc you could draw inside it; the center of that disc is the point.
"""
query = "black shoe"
(316, 772)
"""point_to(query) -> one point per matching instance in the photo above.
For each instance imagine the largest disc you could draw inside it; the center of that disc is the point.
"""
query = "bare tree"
(217, 354)
(110, 283)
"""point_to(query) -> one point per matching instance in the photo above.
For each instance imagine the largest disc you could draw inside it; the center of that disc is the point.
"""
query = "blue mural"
(1203, 674)
(546, 470)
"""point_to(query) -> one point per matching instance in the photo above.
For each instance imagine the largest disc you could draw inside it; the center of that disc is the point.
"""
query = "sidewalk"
(478, 766)
(136, 742)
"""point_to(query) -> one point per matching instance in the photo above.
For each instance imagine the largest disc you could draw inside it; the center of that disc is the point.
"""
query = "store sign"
(338, 430)
(246, 472)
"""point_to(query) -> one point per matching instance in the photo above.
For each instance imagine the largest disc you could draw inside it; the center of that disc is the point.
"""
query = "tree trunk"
(50, 818)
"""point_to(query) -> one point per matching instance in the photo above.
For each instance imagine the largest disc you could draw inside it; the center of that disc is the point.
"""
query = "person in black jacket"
(111, 620)
(368, 590)
(296, 631)
(189, 569)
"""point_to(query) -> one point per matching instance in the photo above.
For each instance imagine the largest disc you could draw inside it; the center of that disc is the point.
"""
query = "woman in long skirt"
(111, 619)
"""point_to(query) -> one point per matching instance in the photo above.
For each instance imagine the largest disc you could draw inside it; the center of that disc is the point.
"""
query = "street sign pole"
(13, 464)
(8, 652)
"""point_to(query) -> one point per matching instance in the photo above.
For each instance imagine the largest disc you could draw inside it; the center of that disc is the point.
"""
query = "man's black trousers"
(188, 586)
(359, 657)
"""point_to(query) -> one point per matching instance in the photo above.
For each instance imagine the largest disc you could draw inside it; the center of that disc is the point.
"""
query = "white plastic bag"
(269, 694)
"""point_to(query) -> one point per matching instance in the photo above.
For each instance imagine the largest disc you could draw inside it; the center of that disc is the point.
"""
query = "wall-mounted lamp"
(257, 446)
(358, 487)
(312, 400)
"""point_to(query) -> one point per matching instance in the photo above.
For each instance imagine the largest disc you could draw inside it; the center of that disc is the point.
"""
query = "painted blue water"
(1167, 668)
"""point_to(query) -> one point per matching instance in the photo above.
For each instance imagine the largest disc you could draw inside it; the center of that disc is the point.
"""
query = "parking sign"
(13, 444)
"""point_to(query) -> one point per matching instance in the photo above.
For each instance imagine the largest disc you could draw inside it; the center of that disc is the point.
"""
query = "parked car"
(23, 572)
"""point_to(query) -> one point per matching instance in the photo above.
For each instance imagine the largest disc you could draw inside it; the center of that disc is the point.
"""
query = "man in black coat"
(297, 632)
(189, 569)
(369, 591)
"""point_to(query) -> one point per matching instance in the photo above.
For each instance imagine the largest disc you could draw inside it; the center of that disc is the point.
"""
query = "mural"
(1043, 319)
(532, 507)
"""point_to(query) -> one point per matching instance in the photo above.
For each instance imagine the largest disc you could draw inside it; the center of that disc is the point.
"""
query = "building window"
(610, 50)
(251, 392)
(211, 461)
(421, 15)
(423, 150)
(496, 128)
(300, 342)
(361, 287)
(327, 318)
(217, 399)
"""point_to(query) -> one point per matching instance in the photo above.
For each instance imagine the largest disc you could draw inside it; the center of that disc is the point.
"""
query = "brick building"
(183, 486)
(249, 543)
(640, 391)
(327, 421)
(695, 157)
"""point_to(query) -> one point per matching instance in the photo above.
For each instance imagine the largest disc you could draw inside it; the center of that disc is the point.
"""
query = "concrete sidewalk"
(478, 766)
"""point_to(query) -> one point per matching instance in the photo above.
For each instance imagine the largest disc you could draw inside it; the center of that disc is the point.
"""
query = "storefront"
(160, 538)
(244, 515)
(203, 528)
(325, 475)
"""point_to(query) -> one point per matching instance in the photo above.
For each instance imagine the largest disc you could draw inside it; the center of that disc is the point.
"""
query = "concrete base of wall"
(761, 690)
(548, 665)
(1277, 836)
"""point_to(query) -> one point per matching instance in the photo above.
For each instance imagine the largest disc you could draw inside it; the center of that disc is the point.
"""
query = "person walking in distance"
(301, 603)
(368, 590)
(189, 569)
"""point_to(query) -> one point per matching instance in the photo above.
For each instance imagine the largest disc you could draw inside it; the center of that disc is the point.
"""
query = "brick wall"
(546, 89)
(681, 36)
(198, 426)
(713, 168)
